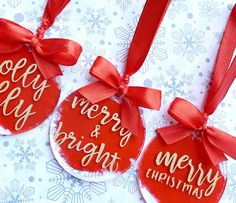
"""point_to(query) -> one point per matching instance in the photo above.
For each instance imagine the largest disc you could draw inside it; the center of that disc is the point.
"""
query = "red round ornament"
(94, 137)
(26, 98)
(29, 91)
(181, 164)
(181, 172)
(89, 137)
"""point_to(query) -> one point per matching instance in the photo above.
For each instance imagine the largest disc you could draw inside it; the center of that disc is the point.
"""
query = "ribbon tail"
(47, 69)
(215, 155)
(227, 81)
(131, 118)
(222, 141)
(145, 97)
(175, 133)
(97, 91)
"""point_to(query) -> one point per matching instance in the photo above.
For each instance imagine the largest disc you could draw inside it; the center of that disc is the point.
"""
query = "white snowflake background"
(180, 63)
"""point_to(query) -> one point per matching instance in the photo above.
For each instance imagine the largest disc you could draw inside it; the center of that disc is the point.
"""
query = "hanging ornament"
(97, 131)
(182, 163)
(29, 91)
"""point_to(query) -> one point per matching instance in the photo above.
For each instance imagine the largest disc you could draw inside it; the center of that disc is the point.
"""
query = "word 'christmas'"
(197, 175)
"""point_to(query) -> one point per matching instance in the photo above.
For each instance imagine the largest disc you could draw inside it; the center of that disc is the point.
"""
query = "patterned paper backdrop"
(180, 63)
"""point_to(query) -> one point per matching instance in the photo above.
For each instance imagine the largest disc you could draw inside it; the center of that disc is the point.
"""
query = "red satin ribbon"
(192, 121)
(110, 82)
(48, 53)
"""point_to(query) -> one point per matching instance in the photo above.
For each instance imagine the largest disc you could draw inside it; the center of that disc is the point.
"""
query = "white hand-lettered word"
(194, 174)
(7, 67)
(95, 110)
(92, 111)
(91, 150)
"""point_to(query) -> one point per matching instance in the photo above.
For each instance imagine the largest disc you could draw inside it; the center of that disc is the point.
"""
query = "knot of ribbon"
(123, 88)
(191, 121)
(34, 41)
(198, 133)
(110, 82)
(48, 53)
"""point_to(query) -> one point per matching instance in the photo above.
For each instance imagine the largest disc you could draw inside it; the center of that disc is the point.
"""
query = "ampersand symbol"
(95, 132)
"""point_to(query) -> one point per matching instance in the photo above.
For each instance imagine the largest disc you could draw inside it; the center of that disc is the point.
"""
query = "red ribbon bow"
(192, 121)
(48, 53)
(111, 83)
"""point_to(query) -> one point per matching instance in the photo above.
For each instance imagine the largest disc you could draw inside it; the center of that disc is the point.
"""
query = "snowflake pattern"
(68, 189)
(157, 122)
(123, 4)
(125, 35)
(46, 184)
(230, 191)
(189, 42)
(218, 120)
(2, 12)
(175, 83)
(176, 7)
(209, 9)
(207, 80)
(16, 193)
(95, 21)
(25, 154)
(152, 125)
(59, 27)
(42, 126)
(128, 180)
(86, 60)
(234, 94)
(218, 36)
(14, 3)
(111, 201)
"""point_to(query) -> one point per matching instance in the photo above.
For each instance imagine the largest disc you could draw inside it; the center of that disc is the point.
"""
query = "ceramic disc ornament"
(98, 131)
(181, 172)
(88, 140)
(29, 65)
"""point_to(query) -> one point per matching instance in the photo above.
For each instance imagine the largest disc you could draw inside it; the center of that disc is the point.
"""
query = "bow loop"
(13, 42)
(145, 97)
(187, 114)
(59, 51)
(106, 72)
